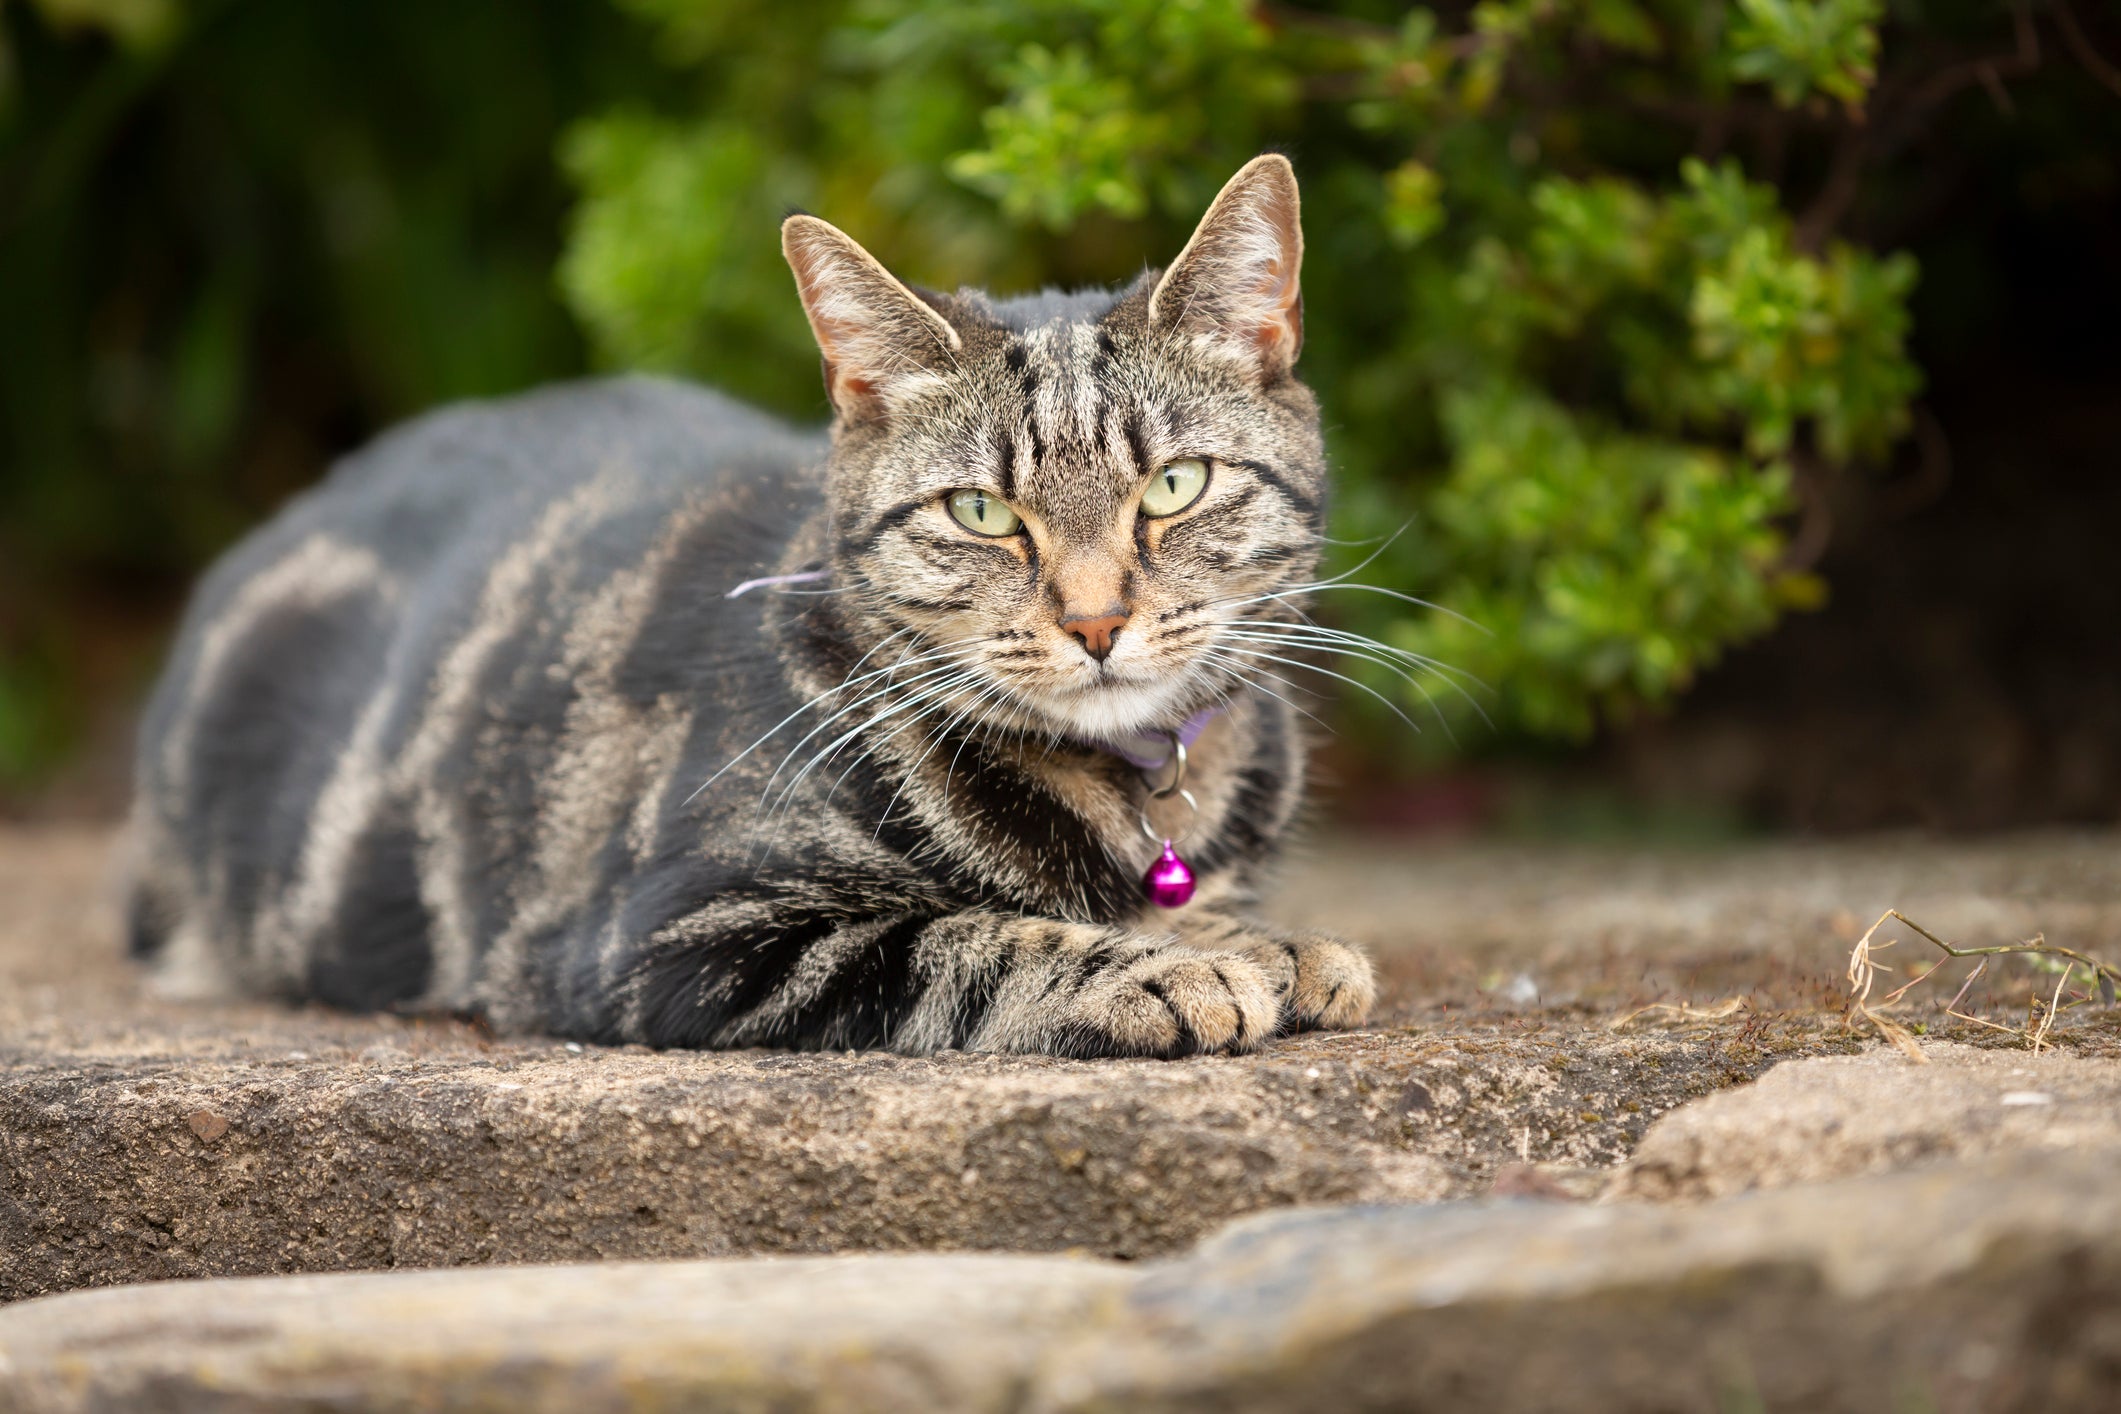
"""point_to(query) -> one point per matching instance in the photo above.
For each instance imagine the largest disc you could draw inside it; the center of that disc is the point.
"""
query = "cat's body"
(477, 726)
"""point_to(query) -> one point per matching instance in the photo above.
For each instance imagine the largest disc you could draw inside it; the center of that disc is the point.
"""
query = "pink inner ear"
(1278, 293)
(841, 384)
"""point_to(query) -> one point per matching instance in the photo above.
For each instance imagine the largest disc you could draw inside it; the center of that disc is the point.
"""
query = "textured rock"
(1615, 925)
(1993, 1287)
(394, 1161)
(141, 1139)
(141, 1168)
(1837, 1116)
(900, 1333)
(1990, 1287)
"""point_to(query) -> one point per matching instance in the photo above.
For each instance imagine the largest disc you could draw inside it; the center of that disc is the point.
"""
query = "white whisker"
(952, 664)
(1240, 670)
(1390, 705)
(934, 695)
(954, 677)
(844, 684)
(1368, 588)
(1398, 670)
(1408, 667)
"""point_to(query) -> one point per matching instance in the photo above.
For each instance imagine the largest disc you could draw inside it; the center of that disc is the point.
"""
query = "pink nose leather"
(1096, 634)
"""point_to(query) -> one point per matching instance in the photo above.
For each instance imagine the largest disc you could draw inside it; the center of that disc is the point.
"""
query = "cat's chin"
(1111, 711)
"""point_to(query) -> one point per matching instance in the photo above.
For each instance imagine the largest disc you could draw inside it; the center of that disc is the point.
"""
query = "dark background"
(228, 258)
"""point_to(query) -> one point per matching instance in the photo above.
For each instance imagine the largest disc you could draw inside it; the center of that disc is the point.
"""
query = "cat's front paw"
(1322, 982)
(1173, 1001)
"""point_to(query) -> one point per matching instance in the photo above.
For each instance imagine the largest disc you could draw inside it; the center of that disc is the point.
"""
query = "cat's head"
(1070, 502)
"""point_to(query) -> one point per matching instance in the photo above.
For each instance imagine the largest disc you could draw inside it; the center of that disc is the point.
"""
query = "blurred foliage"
(234, 238)
(1581, 301)
(1578, 358)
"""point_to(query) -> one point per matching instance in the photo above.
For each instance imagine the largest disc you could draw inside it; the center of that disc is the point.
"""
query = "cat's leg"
(996, 982)
(1322, 981)
(746, 973)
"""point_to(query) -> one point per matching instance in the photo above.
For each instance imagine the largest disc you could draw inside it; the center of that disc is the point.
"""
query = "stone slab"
(441, 1156)
(143, 1139)
(1992, 1286)
(1839, 1116)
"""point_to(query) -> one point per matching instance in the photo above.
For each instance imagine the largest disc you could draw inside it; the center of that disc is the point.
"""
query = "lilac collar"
(1170, 880)
(1146, 751)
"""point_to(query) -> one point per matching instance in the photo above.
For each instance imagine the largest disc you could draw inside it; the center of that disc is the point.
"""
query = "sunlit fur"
(475, 726)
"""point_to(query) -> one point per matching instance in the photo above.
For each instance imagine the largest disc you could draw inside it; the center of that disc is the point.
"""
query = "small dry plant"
(1682, 1012)
(2040, 1019)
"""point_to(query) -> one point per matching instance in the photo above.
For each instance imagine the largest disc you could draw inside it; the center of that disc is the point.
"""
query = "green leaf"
(1798, 47)
(1413, 206)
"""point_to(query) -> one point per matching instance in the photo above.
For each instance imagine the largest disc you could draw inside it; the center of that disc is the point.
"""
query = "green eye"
(983, 514)
(1176, 487)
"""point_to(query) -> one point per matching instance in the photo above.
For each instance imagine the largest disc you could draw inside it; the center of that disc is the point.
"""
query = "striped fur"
(474, 727)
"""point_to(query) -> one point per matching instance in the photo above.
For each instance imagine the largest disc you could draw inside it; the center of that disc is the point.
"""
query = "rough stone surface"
(142, 1139)
(1837, 1116)
(1611, 926)
(1992, 1287)
(443, 1155)
(900, 1333)
(394, 1160)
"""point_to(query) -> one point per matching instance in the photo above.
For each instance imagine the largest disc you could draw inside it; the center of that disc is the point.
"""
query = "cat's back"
(466, 481)
(438, 594)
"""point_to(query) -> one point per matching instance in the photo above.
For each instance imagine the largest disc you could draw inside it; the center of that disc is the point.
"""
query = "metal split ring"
(1177, 760)
(1157, 836)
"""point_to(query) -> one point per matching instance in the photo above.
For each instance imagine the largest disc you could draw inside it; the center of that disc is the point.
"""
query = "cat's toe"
(1325, 982)
(1174, 1003)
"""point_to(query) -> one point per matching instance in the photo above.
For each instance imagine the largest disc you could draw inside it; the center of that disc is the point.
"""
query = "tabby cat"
(622, 711)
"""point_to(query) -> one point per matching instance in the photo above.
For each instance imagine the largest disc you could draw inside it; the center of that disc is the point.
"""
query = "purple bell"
(1169, 882)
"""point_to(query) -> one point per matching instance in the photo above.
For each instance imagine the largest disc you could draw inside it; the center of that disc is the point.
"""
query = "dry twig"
(1864, 968)
(2054, 1004)
(1683, 1011)
(1863, 972)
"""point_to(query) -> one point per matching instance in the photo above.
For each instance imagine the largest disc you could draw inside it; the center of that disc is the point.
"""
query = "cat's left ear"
(879, 339)
(1236, 282)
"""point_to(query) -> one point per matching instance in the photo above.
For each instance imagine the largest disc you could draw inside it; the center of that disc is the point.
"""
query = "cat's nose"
(1095, 634)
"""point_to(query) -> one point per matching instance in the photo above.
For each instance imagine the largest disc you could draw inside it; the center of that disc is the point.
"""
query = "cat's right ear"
(880, 341)
(1236, 285)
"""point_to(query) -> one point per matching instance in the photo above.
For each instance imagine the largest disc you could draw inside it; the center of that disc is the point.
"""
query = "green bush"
(1576, 302)
(1574, 360)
